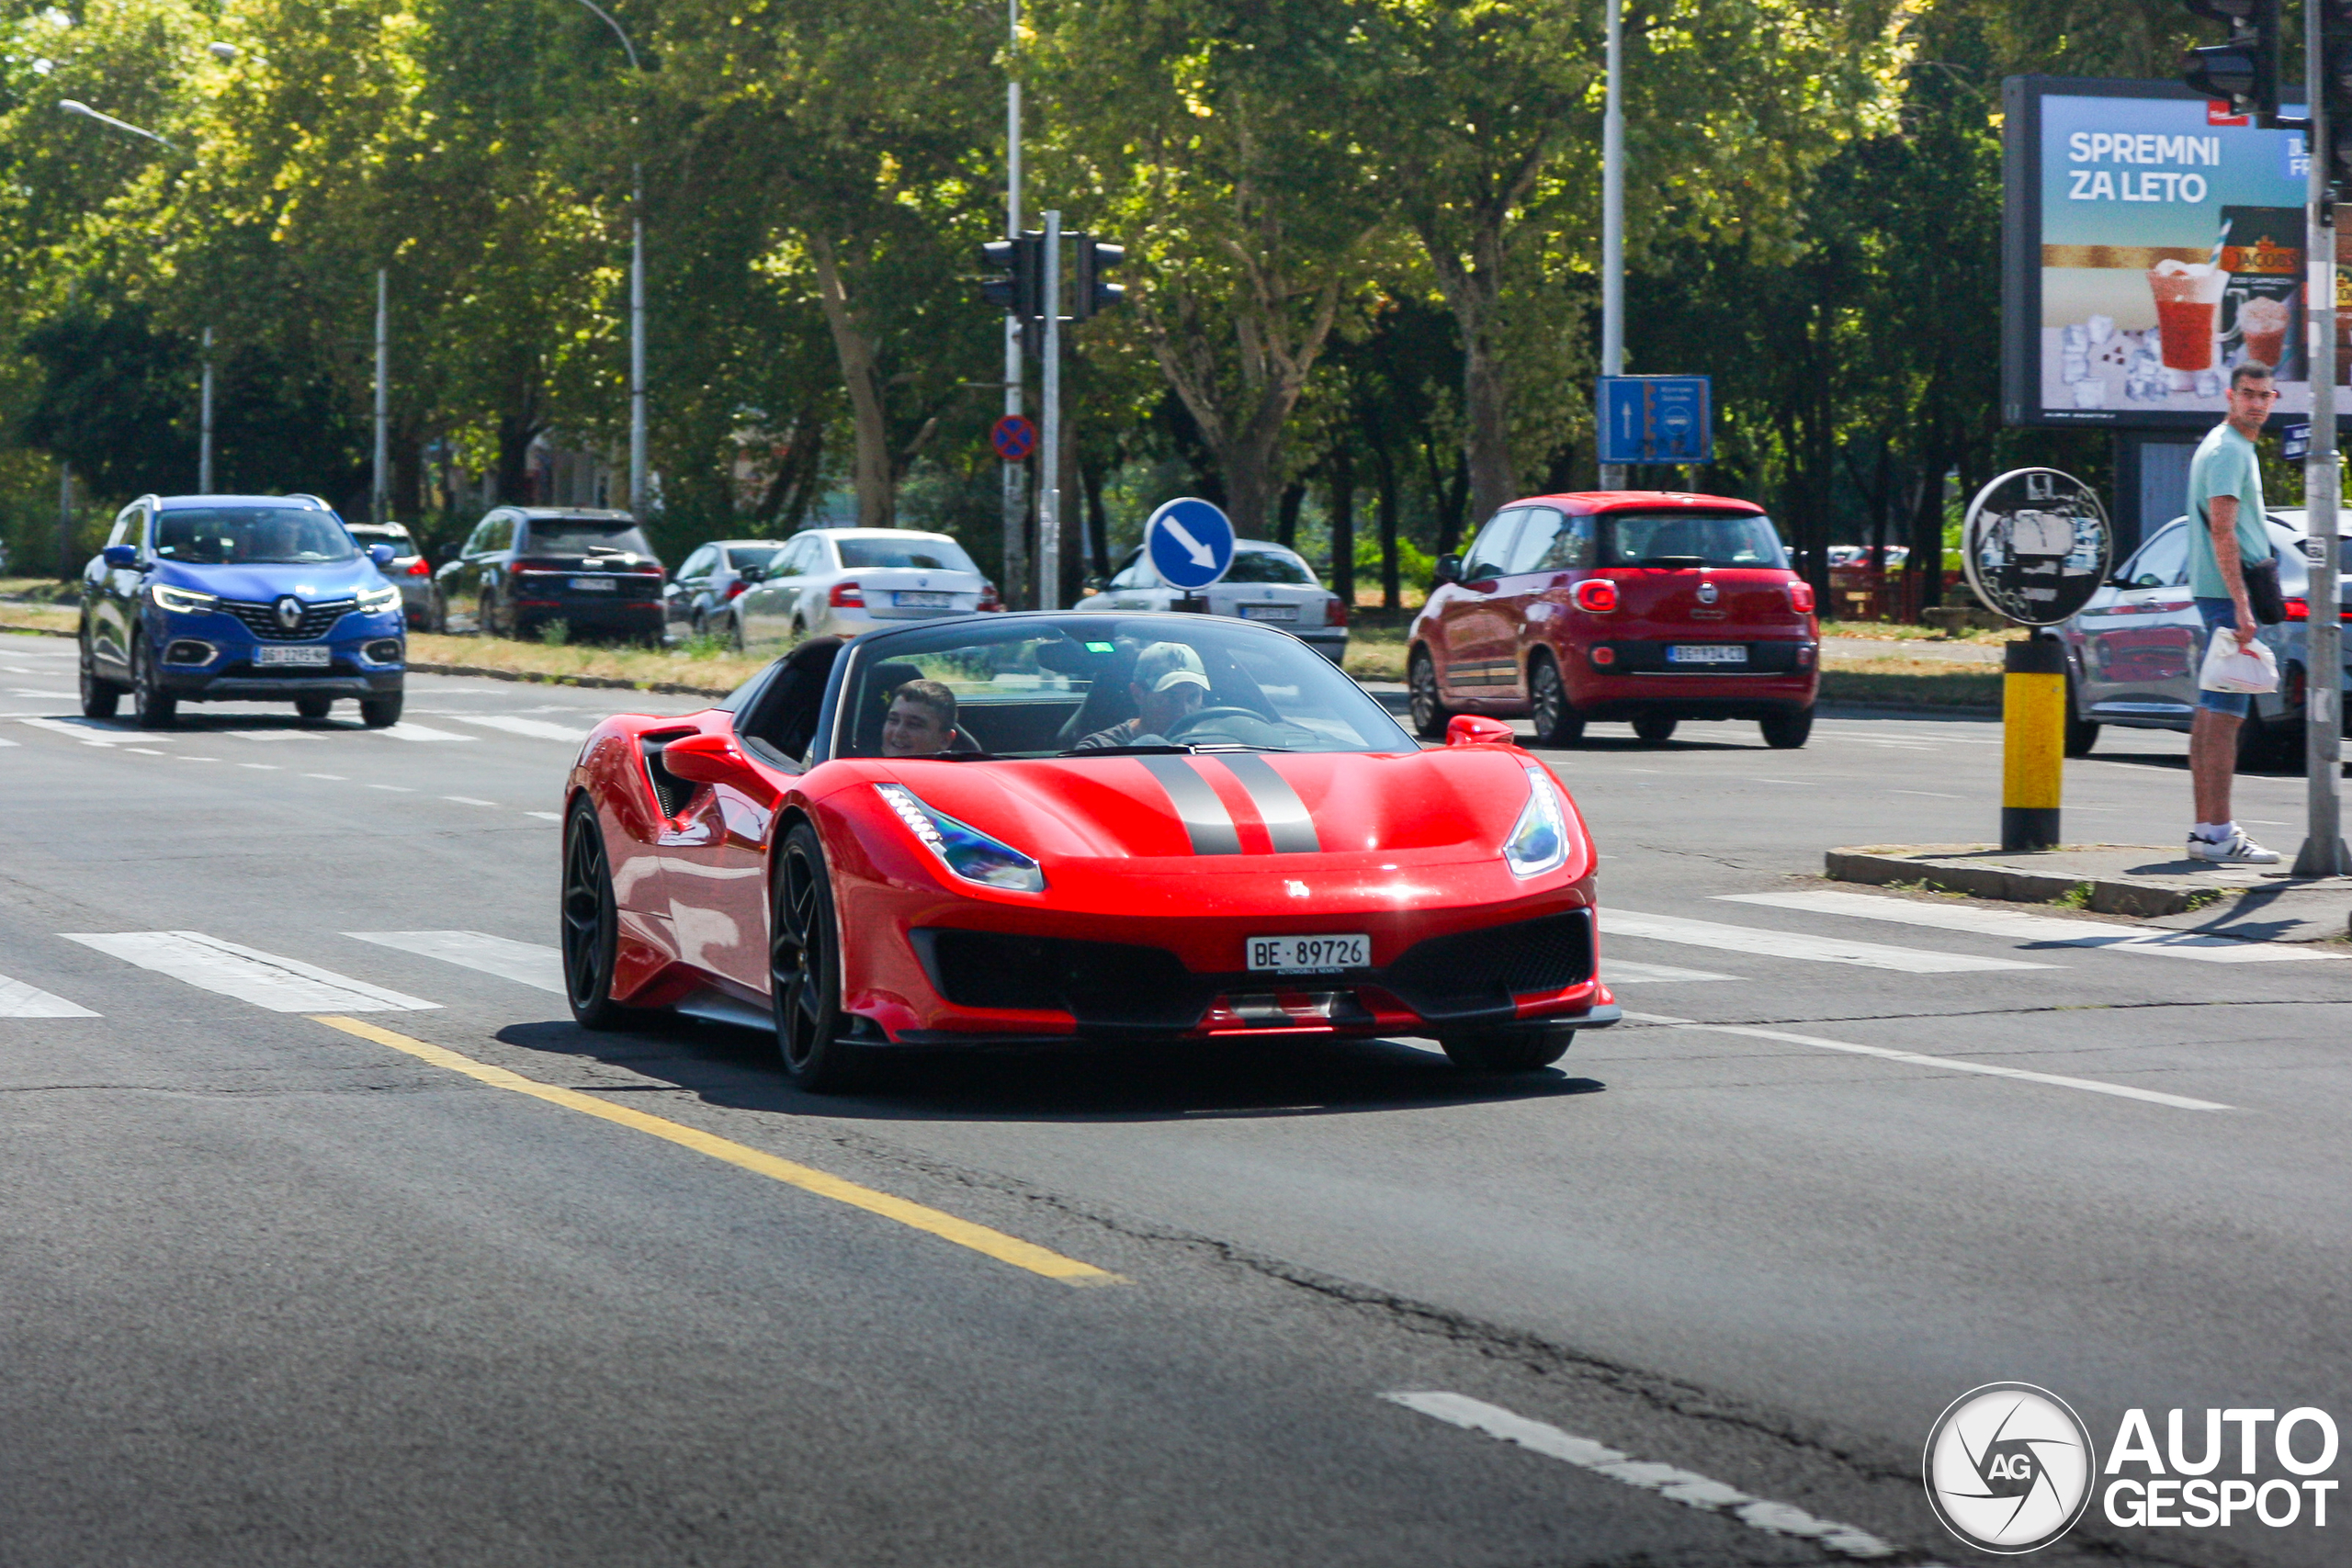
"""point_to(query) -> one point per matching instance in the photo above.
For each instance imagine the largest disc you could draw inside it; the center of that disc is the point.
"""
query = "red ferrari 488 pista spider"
(1032, 829)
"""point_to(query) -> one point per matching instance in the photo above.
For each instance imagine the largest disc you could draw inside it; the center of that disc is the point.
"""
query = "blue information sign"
(1656, 419)
(1190, 542)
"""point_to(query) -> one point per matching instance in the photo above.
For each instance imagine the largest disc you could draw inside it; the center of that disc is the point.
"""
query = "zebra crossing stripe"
(19, 1000)
(265, 979)
(528, 962)
(1793, 944)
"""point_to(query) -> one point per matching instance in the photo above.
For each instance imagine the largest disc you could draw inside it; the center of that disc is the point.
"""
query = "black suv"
(523, 566)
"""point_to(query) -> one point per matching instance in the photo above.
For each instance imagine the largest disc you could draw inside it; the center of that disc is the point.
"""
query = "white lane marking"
(1626, 969)
(1948, 1063)
(1931, 793)
(262, 767)
(396, 789)
(1790, 944)
(1684, 1487)
(20, 670)
(145, 751)
(185, 758)
(19, 1000)
(468, 800)
(2042, 931)
(527, 961)
(82, 730)
(281, 985)
(418, 732)
(545, 815)
(60, 696)
(8, 743)
(537, 728)
(269, 734)
(332, 778)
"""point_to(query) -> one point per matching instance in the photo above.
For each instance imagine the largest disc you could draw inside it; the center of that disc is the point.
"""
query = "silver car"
(410, 573)
(1266, 582)
(2133, 652)
(700, 596)
(842, 581)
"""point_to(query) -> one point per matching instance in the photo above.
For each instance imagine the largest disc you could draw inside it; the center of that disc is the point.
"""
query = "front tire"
(805, 970)
(591, 926)
(313, 709)
(1787, 731)
(1556, 723)
(1653, 729)
(1429, 712)
(381, 712)
(1507, 1050)
(155, 710)
(99, 695)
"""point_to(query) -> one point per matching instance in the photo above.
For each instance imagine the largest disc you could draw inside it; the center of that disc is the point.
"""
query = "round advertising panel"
(2035, 546)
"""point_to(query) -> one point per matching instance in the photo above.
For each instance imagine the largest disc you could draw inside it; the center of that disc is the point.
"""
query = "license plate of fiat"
(1310, 954)
(313, 656)
(1706, 653)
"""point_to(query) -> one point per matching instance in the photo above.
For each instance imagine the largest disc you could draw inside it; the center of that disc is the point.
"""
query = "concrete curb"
(38, 631)
(2141, 900)
(600, 683)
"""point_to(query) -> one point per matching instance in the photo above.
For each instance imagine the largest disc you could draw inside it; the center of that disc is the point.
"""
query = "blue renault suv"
(239, 598)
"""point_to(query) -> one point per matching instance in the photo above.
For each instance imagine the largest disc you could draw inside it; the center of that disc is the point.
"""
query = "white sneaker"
(2235, 850)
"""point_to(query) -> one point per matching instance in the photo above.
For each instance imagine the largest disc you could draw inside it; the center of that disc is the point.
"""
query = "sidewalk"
(2159, 885)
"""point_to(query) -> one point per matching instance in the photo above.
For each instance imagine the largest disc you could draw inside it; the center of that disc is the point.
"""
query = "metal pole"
(2323, 854)
(636, 342)
(204, 441)
(1049, 440)
(1016, 500)
(1612, 222)
(380, 481)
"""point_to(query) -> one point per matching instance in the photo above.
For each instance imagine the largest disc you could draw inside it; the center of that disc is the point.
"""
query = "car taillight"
(736, 587)
(847, 594)
(2298, 609)
(1335, 612)
(989, 600)
(1801, 598)
(418, 568)
(1597, 594)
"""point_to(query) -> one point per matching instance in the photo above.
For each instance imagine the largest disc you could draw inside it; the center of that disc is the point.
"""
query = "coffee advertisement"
(2151, 241)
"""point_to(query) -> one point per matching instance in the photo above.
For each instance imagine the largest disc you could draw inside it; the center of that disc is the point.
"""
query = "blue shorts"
(2219, 613)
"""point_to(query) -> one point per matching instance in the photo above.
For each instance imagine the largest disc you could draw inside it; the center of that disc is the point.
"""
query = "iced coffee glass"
(2188, 296)
(2262, 329)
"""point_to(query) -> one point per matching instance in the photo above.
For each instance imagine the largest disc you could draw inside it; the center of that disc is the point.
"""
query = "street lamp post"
(1612, 221)
(635, 293)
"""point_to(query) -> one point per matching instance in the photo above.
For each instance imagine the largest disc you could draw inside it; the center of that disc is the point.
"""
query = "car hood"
(262, 584)
(1232, 811)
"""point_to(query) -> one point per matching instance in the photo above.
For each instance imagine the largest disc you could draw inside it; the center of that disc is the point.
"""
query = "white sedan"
(842, 581)
(1266, 582)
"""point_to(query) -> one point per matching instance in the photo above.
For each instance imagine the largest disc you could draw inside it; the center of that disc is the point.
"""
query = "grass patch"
(2078, 897)
(41, 590)
(1890, 631)
(1912, 683)
(39, 617)
(2204, 895)
(704, 663)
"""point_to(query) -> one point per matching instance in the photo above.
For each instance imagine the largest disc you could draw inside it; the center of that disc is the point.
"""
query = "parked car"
(842, 581)
(1266, 582)
(408, 570)
(523, 566)
(1647, 606)
(239, 598)
(2133, 652)
(710, 577)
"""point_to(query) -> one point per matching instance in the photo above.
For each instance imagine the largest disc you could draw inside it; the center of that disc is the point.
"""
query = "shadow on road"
(736, 1067)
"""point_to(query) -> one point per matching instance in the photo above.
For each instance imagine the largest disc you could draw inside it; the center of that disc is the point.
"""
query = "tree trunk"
(1098, 520)
(1927, 529)
(877, 502)
(1286, 515)
(1391, 595)
(1343, 525)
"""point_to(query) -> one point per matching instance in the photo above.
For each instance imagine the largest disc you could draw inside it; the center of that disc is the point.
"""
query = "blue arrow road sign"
(1656, 419)
(1190, 542)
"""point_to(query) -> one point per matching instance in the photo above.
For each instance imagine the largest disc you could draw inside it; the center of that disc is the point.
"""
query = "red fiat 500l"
(1643, 605)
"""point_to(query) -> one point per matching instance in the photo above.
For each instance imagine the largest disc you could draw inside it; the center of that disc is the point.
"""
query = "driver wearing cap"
(1168, 684)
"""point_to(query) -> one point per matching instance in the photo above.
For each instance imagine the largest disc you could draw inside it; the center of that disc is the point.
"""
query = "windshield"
(1268, 566)
(925, 551)
(737, 559)
(1691, 538)
(252, 535)
(1089, 685)
(585, 536)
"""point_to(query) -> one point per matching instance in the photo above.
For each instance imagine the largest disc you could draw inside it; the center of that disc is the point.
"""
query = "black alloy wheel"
(2082, 734)
(155, 710)
(99, 695)
(591, 926)
(1557, 724)
(734, 633)
(486, 616)
(313, 708)
(805, 970)
(1507, 1050)
(1787, 731)
(436, 615)
(1429, 709)
(1653, 729)
(381, 712)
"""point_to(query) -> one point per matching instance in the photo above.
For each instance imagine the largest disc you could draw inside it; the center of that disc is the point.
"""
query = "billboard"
(2150, 241)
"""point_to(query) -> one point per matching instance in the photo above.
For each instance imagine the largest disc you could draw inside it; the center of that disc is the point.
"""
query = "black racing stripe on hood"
(1206, 820)
(1287, 821)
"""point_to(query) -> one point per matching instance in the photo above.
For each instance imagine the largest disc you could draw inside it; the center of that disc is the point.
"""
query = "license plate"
(922, 600)
(1310, 954)
(293, 656)
(594, 585)
(1270, 612)
(1706, 653)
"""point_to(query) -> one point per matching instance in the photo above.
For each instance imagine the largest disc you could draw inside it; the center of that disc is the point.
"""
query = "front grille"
(261, 619)
(1481, 970)
(1104, 985)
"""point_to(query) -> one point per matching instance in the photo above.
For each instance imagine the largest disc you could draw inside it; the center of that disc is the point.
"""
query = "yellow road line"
(947, 1227)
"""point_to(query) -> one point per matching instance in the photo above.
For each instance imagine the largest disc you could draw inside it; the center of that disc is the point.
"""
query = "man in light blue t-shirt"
(2226, 532)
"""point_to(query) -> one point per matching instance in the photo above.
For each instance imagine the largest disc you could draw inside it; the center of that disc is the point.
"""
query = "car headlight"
(1539, 839)
(182, 601)
(374, 599)
(963, 848)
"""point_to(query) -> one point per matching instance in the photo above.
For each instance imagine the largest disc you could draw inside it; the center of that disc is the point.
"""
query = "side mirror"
(121, 557)
(709, 759)
(751, 574)
(382, 555)
(1477, 730)
(1449, 569)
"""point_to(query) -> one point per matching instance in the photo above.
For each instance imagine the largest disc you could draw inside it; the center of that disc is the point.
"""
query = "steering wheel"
(1199, 718)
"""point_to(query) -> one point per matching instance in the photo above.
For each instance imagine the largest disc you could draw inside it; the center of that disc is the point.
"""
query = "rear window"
(584, 536)
(738, 559)
(396, 537)
(926, 554)
(1269, 566)
(1691, 538)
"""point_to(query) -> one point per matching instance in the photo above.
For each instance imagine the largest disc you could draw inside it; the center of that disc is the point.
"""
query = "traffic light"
(1021, 262)
(2335, 83)
(2245, 71)
(1090, 293)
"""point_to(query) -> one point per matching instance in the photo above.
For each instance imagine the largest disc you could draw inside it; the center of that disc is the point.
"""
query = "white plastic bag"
(2229, 668)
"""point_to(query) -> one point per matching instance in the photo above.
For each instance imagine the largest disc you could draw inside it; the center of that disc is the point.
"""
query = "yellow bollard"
(2033, 742)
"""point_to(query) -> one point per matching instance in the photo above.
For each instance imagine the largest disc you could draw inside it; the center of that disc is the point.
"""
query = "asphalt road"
(279, 1291)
